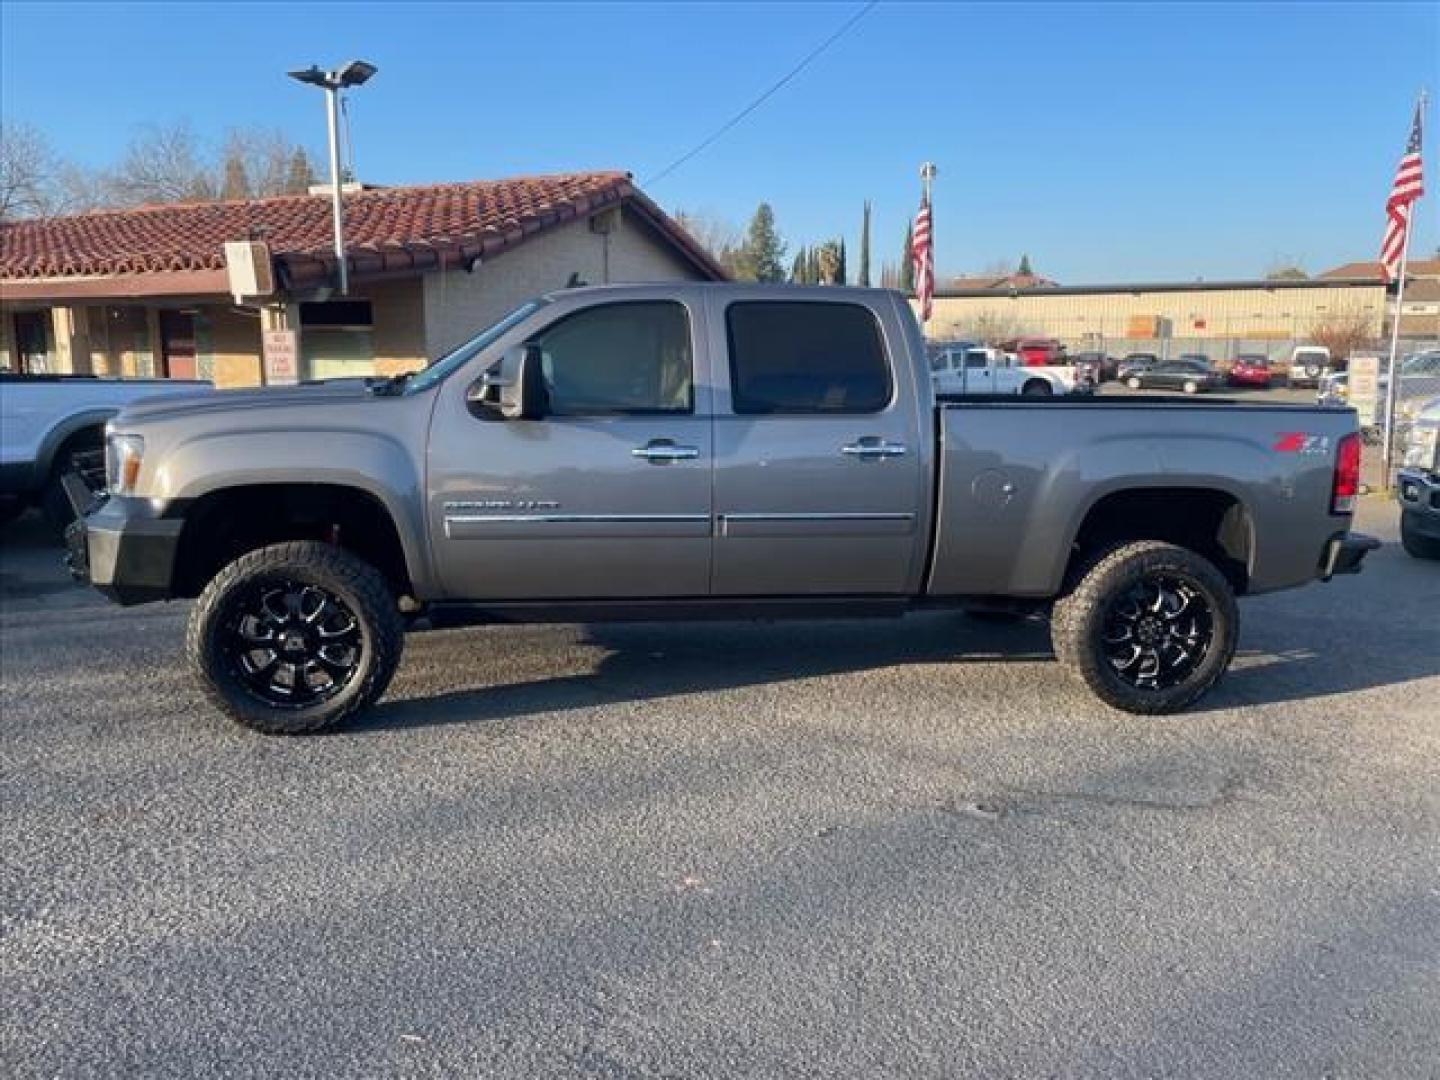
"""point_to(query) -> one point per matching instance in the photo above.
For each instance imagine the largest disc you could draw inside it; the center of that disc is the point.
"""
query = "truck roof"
(780, 291)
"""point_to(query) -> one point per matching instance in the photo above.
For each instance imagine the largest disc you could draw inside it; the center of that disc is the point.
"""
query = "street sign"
(281, 349)
(1364, 380)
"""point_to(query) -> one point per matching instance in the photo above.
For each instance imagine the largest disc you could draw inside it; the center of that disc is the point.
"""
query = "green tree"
(763, 248)
(906, 282)
(828, 257)
(1025, 270)
(842, 272)
(864, 278)
(797, 268)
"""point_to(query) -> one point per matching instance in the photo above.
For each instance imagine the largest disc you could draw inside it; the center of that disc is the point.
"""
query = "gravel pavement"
(909, 848)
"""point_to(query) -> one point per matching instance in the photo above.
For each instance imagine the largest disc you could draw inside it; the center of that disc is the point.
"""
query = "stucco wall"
(458, 305)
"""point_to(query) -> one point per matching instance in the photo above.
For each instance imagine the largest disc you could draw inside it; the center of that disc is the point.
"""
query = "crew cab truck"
(704, 450)
(54, 424)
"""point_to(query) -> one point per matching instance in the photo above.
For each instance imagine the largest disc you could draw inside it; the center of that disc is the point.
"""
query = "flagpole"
(1387, 450)
(927, 174)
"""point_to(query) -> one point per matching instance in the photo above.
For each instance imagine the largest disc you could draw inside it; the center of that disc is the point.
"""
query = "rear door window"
(806, 357)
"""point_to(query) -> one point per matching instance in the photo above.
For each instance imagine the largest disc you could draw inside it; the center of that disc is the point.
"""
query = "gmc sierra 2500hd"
(692, 450)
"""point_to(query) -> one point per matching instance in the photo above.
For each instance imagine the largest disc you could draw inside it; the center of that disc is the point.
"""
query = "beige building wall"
(398, 310)
(459, 305)
(227, 346)
(1255, 313)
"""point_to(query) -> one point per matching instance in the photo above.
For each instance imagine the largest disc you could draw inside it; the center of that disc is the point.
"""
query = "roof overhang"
(118, 286)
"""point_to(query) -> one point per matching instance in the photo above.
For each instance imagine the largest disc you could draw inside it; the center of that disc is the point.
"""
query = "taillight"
(1346, 485)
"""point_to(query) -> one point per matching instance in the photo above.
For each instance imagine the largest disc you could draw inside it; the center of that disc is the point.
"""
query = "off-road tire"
(1416, 545)
(1079, 616)
(352, 580)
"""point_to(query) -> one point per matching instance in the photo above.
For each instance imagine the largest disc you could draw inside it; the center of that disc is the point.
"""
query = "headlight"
(123, 454)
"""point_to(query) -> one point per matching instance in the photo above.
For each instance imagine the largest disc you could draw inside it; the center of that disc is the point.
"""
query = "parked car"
(589, 457)
(1195, 358)
(1133, 363)
(1186, 375)
(1098, 367)
(967, 368)
(1307, 364)
(1250, 369)
(53, 424)
(1417, 485)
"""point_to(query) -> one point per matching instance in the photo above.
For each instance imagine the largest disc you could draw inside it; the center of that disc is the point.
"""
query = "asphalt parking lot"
(911, 848)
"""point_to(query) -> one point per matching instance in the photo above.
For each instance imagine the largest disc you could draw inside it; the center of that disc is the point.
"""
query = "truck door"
(818, 462)
(608, 495)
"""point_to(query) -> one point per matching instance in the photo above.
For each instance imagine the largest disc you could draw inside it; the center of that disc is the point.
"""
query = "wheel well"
(223, 525)
(1035, 380)
(91, 436)
(1211, 523)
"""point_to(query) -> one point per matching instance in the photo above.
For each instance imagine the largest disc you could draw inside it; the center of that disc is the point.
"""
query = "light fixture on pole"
(355, 73)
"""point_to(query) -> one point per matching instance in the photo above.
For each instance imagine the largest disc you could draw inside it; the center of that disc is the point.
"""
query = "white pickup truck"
(51, 424)
(967, 368)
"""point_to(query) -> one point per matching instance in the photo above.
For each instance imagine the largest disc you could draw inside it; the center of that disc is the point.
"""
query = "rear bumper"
(126, 549)
(1344, 552)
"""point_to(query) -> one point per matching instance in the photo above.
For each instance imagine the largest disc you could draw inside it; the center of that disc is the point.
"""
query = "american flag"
(1409, 185)
(922, 256)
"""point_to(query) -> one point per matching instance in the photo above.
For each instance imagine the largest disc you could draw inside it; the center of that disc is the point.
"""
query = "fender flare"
(57, 436)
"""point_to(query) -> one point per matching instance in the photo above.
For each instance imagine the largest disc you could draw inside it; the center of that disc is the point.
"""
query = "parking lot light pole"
(355, 73)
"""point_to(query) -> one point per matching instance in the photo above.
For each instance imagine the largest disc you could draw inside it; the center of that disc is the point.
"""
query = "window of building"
(620, 359)
(799, 357)
(337, 339)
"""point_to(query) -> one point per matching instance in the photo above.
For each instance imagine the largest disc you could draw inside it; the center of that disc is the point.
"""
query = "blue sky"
(1111, 142)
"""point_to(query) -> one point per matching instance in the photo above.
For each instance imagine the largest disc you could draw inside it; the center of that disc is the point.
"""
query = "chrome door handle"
(663, 451)
(870, 448)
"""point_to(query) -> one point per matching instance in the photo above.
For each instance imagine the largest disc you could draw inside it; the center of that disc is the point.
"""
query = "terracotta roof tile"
(1417, 268)
(421, 225)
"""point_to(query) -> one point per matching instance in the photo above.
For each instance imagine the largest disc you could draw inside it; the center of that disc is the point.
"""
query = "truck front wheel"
(1148, 626)
(294, 638)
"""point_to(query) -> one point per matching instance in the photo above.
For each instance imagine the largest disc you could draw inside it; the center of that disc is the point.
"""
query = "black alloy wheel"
(290, 643)
(1158, 632)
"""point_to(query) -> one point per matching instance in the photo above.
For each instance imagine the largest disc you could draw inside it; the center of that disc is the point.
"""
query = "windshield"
(458, 357)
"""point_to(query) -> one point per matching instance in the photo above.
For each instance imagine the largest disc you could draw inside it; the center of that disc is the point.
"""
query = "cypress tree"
(1025, 266)
(906, 282)
(842, 272)
(797, 268)
(864, 278)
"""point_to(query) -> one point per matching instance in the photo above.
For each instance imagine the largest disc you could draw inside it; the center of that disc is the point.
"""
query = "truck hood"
(168, 406)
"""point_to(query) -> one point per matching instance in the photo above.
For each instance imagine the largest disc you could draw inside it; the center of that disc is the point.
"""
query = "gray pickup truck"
(683, 451)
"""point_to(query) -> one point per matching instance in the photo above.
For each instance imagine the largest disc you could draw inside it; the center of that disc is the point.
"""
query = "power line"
(743, 113)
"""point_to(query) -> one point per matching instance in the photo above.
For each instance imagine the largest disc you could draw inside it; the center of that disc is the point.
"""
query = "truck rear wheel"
(1149, 626)
(1037, 388)
(294, 638)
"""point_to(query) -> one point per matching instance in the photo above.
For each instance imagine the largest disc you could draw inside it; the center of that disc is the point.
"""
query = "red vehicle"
(1251, 370)
(1037, 352)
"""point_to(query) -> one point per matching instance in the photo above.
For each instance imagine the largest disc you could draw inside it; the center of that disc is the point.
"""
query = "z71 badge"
(1301, 442)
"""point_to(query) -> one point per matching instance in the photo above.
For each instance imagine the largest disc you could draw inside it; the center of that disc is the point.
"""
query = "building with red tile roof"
(150, 290)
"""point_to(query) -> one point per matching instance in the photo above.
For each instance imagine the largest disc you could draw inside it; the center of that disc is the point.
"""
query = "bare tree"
(163, 165)
(1344, 332)
(722, 239)
(266, 157)
(992, 328)
(1000, 268)
(27, 172)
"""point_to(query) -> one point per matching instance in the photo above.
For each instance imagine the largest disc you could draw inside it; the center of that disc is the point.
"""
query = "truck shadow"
(648, 661)
(652, 661)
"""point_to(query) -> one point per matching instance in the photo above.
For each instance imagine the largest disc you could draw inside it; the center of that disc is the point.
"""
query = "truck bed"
(1018, 477)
